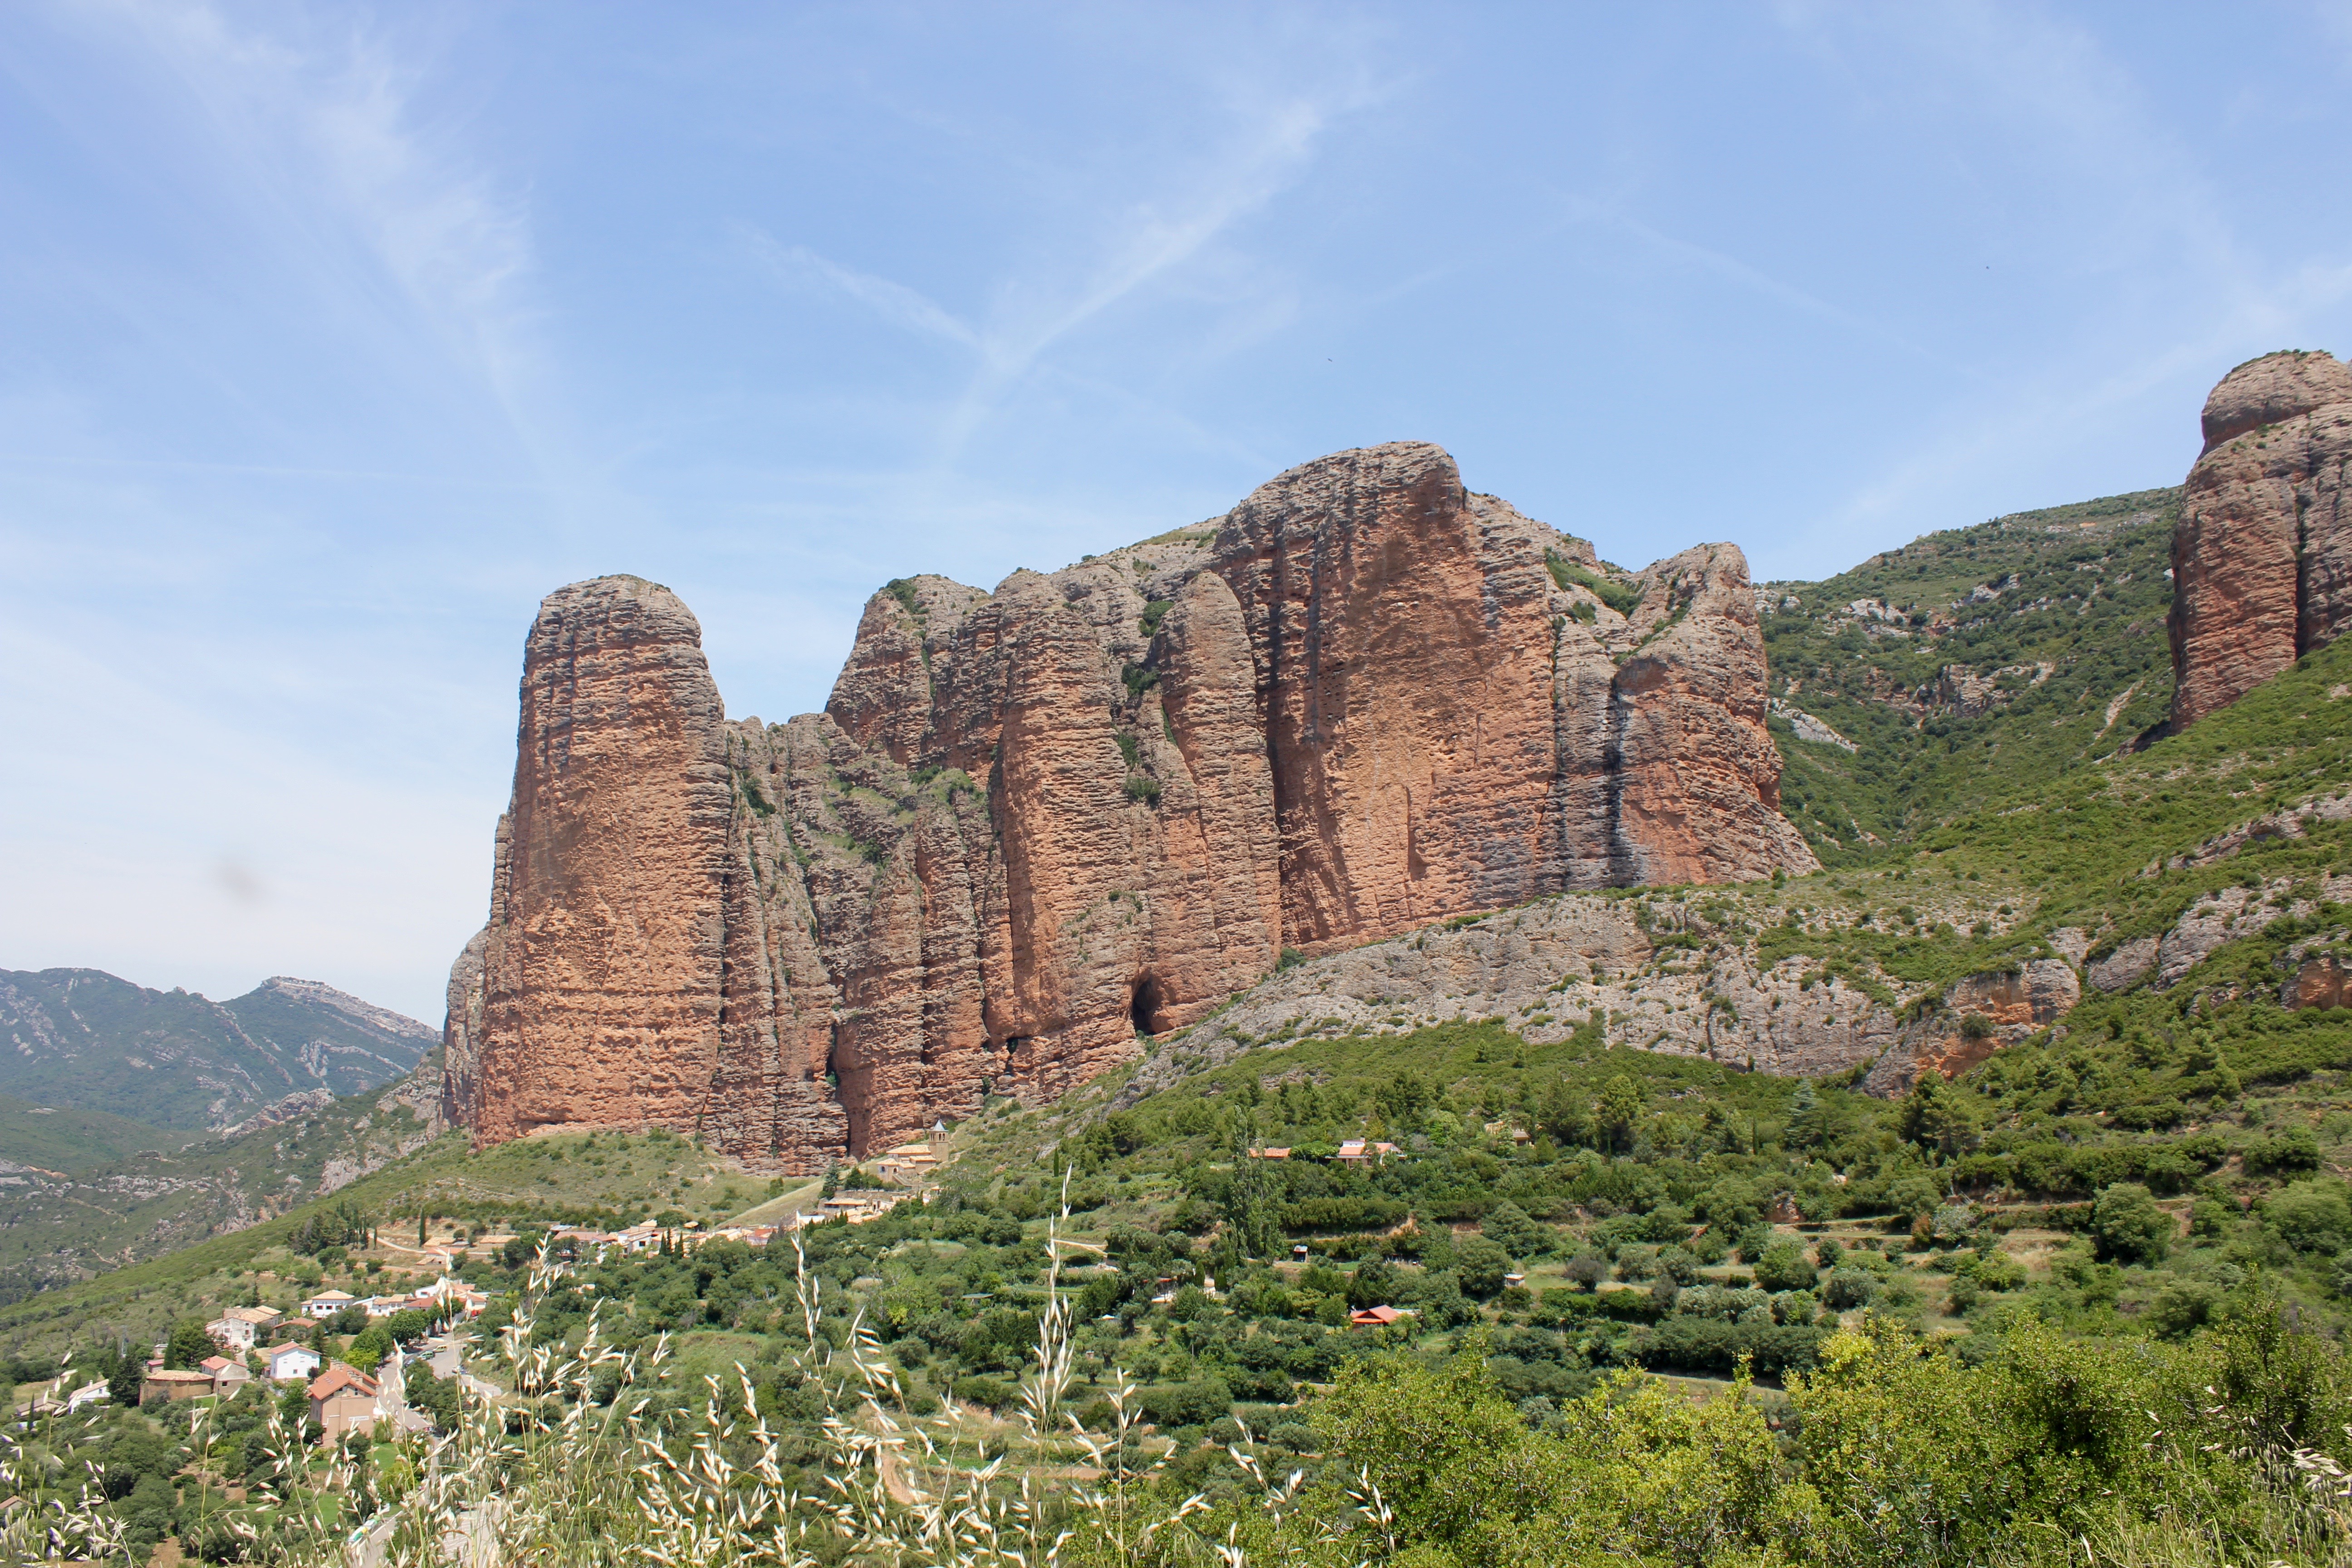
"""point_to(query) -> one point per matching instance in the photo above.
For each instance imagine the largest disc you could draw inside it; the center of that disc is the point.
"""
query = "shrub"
(1508, 1226)
(2311, 1216)
(2284, 1154)
(2181, 1308)
(1849, 1288)
(1783, 1266)
(1678, 1264)
(1481, 1265)
(368, 1349)
(2210, 1218)
(992, 1392)
(1295, 1436)
(1619, 596)
(189, 1345)
(2128, 1226)
(1188, 1404)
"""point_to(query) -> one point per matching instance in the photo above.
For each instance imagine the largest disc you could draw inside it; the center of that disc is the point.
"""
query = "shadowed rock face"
(1033, 824)
(2262, 558)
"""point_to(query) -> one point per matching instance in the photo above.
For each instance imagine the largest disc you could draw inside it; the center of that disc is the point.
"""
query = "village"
(319, 1338)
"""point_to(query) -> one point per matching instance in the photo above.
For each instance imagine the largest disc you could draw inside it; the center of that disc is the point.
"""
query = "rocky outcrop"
(2262, 557)
(2130, 963)
(1035, 824)
(1673, 972)
(461, 1028)
(2319, 982)
(1979, 1016)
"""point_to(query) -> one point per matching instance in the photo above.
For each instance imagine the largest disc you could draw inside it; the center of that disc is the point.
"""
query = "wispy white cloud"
(796, 266)
(397, 231)
(1118, 247)
(1585, 211)
(2066, 132)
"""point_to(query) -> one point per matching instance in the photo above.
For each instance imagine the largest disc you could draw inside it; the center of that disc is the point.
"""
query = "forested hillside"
(1967, 666)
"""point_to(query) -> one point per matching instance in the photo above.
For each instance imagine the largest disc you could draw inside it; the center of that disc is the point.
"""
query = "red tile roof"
(339, 1376)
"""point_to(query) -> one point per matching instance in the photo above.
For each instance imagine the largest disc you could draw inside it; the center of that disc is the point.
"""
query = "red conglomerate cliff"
(2262, 557)
(1036, 824)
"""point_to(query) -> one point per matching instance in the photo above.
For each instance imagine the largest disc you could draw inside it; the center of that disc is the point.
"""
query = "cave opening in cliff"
(1145, 1006)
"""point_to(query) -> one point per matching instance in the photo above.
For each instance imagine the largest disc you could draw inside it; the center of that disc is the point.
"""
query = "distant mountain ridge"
(177, 1059)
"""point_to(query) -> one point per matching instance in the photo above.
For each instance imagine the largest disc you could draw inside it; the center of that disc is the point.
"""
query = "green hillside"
(2058, 614)
(57, 1139)
(64, 1223)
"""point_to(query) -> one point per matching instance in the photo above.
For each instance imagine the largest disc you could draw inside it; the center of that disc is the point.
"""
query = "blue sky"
(332, 337)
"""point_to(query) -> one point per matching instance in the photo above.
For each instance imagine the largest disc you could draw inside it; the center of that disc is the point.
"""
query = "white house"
(290, 1362)
(326, 1303)
(233, 1331)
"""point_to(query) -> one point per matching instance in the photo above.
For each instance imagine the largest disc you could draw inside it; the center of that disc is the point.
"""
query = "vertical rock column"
(2262, 557)
(602, 972)
(1404, 656)
(1695, 776)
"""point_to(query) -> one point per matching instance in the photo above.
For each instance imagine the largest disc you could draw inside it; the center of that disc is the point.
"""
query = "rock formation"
(1035, 824)
(2262, 557)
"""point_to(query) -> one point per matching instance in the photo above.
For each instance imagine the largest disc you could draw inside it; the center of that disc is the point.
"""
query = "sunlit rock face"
(1035, 824)
(2262, 558)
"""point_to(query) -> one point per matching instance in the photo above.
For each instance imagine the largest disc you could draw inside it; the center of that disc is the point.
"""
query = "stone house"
(344, 1399)
(227, 1374)
(174, 1386)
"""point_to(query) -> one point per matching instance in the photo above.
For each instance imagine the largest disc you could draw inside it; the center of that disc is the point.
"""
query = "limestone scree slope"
(1033, 824)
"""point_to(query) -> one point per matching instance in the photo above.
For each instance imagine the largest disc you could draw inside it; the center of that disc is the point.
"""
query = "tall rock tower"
(2262, 558)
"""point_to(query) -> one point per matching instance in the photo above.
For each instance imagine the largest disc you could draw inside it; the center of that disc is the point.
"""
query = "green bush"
(1621, 597)
(1849, 1288)
(2311, 1216)
(2129, 1226)
(1481, 1266)
(1508, 1226)
(2283, 1154)
(2181, 1308)
(994, 1393)
(1188, 1404)
(1680, 1265)
(1784, 1267)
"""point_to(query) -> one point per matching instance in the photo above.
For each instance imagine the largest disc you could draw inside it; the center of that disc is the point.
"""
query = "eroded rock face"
(603, 961)
(1035, 824)
(2262, 557)
(2319, 982)
(2007, 1007)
